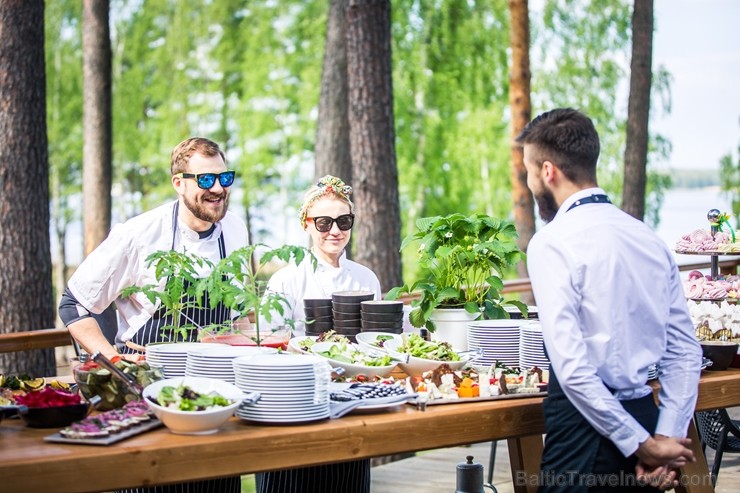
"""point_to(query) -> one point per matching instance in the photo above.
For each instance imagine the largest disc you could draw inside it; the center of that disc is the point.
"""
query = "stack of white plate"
(216, 360)
(171, 358)
(497, 339)
(294, 387)
(652, 372)
(531, 346)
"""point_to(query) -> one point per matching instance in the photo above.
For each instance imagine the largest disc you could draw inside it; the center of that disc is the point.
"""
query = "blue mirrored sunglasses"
(207, 180)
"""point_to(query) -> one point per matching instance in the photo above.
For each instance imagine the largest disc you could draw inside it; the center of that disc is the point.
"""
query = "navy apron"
(150, 333)
(577, 458)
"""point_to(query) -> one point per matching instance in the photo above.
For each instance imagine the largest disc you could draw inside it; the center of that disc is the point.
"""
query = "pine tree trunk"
(638, 110)
(25, 263)
(521, 113)
(97, 146)
(332, 129)
(377, 232)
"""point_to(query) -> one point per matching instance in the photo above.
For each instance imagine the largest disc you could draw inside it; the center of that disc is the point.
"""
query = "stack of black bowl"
(318, 316)
(382, 316)
(346, 311)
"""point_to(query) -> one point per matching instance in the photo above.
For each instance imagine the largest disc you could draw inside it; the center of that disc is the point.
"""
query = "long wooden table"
(29, 464)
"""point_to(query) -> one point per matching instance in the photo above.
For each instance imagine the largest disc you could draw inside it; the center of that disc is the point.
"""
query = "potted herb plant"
(235, 281)
(178, 280)
(462, 260)
(240, 285)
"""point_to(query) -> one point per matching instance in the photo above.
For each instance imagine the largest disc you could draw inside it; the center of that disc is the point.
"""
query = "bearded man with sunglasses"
(198, 222)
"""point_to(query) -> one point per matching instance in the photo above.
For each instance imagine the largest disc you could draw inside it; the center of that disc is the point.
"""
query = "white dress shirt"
(120, 261)
(611, 304)
(299, 282)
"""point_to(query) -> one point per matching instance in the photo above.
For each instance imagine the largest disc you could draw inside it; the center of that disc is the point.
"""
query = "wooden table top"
(28, 463)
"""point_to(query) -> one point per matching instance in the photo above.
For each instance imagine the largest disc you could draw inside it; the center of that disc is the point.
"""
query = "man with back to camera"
(611, 304)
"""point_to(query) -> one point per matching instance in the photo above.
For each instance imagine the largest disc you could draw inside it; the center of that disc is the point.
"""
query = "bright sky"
(698, 42)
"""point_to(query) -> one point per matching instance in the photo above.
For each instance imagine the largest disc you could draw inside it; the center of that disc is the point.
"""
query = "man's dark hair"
(567, 138)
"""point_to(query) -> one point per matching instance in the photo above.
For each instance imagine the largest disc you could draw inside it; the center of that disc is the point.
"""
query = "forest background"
(249, 75)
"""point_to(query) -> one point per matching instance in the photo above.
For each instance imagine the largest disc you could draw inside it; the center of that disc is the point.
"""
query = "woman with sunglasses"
(327, 216)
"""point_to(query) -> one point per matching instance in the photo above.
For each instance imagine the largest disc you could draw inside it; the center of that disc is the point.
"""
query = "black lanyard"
(593, 199)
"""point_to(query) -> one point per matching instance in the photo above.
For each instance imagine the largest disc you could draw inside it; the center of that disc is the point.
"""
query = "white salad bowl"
(294, 345)
(416, 366)
(369, 340)
(194, 422)
(352, 369)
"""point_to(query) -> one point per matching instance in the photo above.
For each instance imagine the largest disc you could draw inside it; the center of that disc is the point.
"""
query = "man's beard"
(205, 213)
(546, 205)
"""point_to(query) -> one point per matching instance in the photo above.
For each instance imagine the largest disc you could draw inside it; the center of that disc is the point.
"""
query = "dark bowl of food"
(53, 417)
(720, 352)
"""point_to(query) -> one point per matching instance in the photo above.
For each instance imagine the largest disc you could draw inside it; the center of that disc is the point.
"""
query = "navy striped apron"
(151, 332)
(577, 458)
(342, 477)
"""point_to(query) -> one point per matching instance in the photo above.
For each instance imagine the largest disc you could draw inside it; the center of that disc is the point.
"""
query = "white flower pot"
(451, 325)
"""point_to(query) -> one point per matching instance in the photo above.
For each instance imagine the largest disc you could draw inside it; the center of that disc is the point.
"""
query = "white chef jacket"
(297, 282)
(611, 304)
(120, 262)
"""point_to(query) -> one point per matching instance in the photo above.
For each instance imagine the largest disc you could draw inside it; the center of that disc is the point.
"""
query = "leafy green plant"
(462, 259)
(183, 283)
(235, 282)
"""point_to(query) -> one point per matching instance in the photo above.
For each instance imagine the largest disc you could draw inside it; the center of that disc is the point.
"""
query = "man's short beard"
(547, 205)
(203, 213)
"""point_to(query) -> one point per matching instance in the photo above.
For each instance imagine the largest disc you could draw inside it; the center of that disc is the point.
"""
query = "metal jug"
(470, 477)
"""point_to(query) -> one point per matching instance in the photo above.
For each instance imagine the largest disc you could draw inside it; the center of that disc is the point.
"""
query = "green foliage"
(183, 288)
(233, 282)
(463, 258)
(730, 180)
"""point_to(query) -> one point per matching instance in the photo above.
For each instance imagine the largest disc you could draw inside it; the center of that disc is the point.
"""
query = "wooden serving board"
(462, 400)
(110, 439)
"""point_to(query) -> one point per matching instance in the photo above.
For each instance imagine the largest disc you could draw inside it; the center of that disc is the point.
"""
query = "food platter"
(461, 400)
(110, 439)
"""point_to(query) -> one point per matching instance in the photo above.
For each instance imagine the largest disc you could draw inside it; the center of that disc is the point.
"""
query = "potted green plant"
(235, 281)
(461, 260)
(240, 285)
(179, 287)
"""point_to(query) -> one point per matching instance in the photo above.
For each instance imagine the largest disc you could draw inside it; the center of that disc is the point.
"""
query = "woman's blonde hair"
(326, 186)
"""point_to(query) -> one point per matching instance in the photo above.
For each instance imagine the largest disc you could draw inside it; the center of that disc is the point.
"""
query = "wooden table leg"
(695, 477)
(525, 455)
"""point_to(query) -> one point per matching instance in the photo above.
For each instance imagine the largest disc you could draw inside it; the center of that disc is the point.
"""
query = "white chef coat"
(298, 282)
(611, 304)
(120, 261)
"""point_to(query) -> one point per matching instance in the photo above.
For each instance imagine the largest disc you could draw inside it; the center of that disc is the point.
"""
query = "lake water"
(685, 210)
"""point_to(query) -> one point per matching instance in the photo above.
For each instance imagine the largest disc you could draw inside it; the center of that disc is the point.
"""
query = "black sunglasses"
(207, 180)
(324, 223)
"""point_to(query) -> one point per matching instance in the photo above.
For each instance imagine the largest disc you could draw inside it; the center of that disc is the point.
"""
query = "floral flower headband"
(326, 185)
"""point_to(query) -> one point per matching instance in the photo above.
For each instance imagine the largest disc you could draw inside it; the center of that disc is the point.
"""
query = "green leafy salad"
(417, 347)
(346, 353)
(184, 398)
